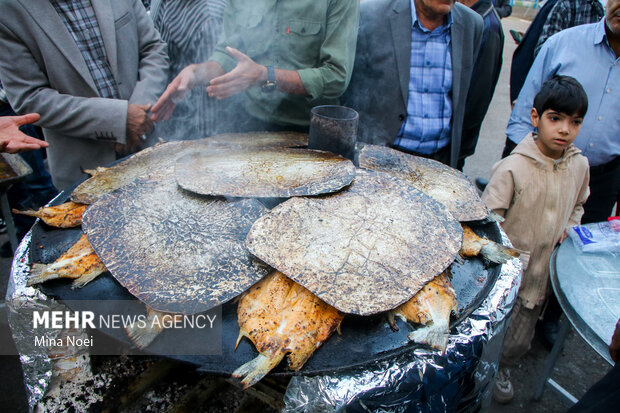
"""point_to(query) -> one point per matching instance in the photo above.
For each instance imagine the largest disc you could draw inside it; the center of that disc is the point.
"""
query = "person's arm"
(29, 90)
(12, 140)
(577, 213)
(500, 190)
(543, 68)
(614, 347)
(557, 20)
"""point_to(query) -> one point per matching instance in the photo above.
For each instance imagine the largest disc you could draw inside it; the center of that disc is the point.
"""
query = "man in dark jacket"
(484, 77)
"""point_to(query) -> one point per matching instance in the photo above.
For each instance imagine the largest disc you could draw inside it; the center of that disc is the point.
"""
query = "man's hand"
(614, 347)
(12, 140)
(139, 123)
(175, 92)
(246, 74)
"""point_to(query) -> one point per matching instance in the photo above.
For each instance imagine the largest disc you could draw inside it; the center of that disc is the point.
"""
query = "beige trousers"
(520, 333)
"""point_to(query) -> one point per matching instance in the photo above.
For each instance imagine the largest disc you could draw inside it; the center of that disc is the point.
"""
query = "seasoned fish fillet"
(280, 316)
(473, 245)
(67, 215)
(143, 335)
(431, 307)
(80, 263)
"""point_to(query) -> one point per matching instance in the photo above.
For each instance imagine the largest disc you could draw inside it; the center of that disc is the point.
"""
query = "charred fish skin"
(441, 182)
(281, 317)
(79, 262)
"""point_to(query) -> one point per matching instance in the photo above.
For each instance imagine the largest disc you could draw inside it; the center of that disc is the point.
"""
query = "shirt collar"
(414, 19)
(600, 36)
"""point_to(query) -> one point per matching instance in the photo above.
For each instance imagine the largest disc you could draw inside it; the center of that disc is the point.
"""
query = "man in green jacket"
(280, 58)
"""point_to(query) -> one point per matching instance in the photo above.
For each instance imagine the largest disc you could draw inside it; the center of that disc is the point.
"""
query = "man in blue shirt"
(589, 53)
(412, 72)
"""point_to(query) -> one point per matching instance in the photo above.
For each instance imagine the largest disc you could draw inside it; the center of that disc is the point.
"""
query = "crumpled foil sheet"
(423, 380)
(22, 301)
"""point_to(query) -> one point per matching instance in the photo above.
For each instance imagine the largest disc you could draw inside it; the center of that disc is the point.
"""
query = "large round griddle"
(176, 251)
(442, 183)
(363, 339)
(263, 173)
(363, 250)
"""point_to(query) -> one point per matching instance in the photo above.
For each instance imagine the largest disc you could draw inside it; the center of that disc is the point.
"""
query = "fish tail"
(498, 253)
(85, 279)
(254, 370)
(434, 334)
(143, 336)
(39, 274)
(30, 212)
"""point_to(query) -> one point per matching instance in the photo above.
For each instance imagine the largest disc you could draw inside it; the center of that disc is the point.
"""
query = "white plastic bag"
(598, 236)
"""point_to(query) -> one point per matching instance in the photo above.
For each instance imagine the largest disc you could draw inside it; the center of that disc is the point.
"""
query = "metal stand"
(550, 363)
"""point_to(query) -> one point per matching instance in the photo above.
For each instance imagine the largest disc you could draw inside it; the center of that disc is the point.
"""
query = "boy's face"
(556, 131)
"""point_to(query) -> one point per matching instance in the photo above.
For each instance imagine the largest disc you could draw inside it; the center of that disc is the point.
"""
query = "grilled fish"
(79, 263)
(281, 317)
(143, 335)
(473, 245)
(67, 215)
(431, 308)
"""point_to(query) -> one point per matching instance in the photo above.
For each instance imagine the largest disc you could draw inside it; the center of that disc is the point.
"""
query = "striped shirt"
(191, 29)
(80, 20)
(427, 128)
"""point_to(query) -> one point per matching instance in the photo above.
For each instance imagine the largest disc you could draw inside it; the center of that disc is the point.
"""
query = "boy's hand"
(564, 236)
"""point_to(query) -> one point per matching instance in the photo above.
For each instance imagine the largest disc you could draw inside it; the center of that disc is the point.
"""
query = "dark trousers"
(604, 191)
(603, 396)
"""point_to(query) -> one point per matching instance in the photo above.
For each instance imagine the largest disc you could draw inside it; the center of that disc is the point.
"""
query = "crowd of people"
(104, 81)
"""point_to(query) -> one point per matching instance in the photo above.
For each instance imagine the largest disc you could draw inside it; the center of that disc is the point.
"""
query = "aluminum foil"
(423, 380)
(22, 301)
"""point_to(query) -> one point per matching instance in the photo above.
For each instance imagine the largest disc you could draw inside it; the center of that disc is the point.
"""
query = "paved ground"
(578, 367)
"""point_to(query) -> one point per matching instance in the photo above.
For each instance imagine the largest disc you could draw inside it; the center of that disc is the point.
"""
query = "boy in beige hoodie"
(539, 190)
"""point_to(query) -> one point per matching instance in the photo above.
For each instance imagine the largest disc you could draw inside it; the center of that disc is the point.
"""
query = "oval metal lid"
(263, 173)
(364, 250)
(175, 251)
(441, 182)
(165, 155)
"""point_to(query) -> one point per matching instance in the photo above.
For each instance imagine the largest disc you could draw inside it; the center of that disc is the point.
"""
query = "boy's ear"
(534, 117)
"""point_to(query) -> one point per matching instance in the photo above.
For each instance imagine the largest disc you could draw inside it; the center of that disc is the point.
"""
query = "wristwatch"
(270, 83)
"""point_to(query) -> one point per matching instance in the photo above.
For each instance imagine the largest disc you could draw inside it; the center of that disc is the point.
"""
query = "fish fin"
(391, 319)
(498, 253)
(254, 370)
(143, 336)
(84, 279)
(435, 335)
(38, 274)
(494, 216)
(241, 335)
(93, 172)
(459, 259)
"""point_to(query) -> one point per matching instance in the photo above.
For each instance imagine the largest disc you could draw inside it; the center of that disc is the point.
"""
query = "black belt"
(606, 167)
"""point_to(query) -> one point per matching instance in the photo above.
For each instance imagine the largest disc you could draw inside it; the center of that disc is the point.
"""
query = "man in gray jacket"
(412, 72)
(90, 69)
